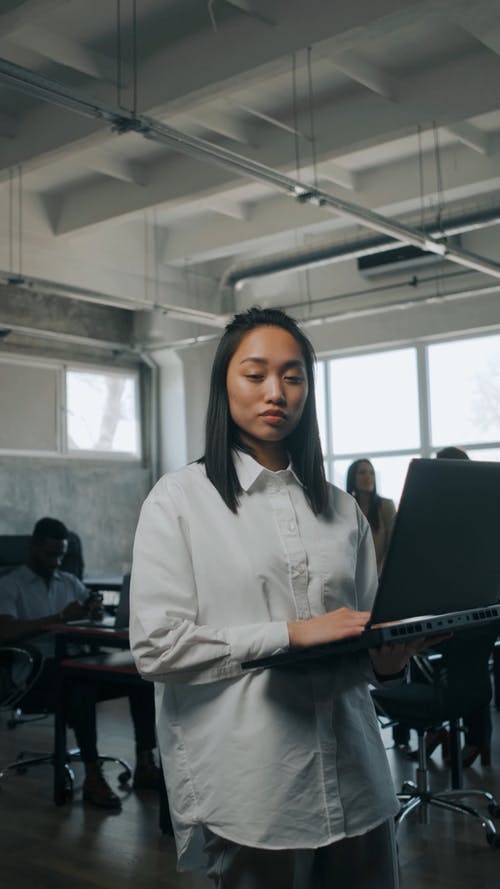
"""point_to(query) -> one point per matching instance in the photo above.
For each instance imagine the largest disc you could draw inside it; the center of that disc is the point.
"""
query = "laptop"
(118, 621)
(441, 573)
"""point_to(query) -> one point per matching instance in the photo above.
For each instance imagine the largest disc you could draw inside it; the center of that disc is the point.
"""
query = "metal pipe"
(123, 121)
(326, 253)
(40, 285)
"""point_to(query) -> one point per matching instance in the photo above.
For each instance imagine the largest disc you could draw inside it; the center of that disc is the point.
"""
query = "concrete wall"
(100, 502)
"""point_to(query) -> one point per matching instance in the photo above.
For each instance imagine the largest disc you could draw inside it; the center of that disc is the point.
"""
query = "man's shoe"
(147, 775)
(98, 792)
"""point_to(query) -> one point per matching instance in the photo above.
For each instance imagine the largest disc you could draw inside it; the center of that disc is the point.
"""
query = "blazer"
(381, 536)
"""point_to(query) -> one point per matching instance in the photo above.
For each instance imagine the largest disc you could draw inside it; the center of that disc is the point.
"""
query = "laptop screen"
(444, 553)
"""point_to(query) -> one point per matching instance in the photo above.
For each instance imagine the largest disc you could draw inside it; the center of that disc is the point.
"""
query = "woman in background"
(380, 511)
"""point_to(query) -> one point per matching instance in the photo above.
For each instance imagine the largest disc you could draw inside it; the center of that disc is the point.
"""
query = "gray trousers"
(363, 862)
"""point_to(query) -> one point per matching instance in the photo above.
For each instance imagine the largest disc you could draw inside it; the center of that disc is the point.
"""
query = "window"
(374, 402)
(393, 405)
(49, 409)
(464, 381)
(102, 412)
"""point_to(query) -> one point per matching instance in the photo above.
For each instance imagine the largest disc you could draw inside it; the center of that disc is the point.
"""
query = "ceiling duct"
(380, 246)
(404, 258)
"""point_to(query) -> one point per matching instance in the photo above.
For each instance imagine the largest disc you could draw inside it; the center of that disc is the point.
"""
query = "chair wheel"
(494, 810)
(124, 777)
(493, 840)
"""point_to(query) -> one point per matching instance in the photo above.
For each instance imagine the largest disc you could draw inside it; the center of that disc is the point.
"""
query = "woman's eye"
(253, 376)
(294, 380)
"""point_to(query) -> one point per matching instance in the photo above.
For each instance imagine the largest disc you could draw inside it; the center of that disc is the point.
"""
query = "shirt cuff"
(257, 640)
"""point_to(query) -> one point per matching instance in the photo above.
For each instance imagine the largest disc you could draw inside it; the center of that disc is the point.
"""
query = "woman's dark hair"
(372, 515)
(221, 434)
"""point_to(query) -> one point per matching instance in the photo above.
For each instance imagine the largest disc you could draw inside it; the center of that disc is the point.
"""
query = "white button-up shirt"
(276, 759)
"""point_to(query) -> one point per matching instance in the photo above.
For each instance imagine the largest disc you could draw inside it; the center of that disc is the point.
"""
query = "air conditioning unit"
(401, 259)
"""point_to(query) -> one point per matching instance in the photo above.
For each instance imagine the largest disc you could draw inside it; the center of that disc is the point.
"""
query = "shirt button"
(291, 526)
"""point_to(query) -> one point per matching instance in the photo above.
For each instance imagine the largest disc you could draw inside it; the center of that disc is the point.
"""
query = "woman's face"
(365, 477)
(266, 386)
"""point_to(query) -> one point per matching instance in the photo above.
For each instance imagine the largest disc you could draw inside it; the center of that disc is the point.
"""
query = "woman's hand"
(393, 658)
(330, 627)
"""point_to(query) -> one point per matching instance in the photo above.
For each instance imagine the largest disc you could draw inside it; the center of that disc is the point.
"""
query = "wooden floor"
(78, 847)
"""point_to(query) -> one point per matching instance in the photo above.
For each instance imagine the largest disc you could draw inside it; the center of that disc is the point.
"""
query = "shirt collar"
(32, 576)
(248, 470)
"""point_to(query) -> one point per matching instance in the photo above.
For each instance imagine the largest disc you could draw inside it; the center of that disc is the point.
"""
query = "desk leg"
(496, 675)
(59, 746)
(455, 756)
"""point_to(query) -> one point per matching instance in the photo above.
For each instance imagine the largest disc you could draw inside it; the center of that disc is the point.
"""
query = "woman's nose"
(275, 391)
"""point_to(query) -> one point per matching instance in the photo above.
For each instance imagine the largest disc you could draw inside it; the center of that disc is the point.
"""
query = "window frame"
(83, 454)
(63, 452)
(421, 347)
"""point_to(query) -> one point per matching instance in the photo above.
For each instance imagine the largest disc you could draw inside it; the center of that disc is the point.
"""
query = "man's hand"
(73, 611)
(330, 627)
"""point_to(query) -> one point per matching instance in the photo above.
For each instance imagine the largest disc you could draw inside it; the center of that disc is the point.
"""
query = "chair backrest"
(14, 551)
(123, 608)
(73, 558)
(464, 671)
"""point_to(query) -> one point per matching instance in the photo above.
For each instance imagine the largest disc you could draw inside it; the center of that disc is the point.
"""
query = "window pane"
(464, 382)
(390, 474)
(102, 412)
(375, 402)
(319, 385)
(491, 454)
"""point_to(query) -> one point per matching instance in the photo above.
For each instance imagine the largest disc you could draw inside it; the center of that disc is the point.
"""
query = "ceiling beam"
(333, 172)
(364, 72)
(60, 48)
(226, 207)
(471, 136)
(115, 167)
(24, 12)
(220, 122)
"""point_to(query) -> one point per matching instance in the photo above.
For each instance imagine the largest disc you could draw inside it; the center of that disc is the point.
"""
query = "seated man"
(33, 598)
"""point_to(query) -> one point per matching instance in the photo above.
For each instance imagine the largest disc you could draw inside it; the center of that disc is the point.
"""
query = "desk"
(113, 667)
(95, 584)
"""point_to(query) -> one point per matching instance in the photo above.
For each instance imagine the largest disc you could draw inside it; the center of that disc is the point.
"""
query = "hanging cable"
(295, 116)
(20, 218)
(134, 57)
(439, 178)
(11, 221)
(421, 178)
(311, 118)
(211, 13)
(118, 55)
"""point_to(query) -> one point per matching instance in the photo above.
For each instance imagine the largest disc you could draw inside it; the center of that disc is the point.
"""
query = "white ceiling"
(391, 106)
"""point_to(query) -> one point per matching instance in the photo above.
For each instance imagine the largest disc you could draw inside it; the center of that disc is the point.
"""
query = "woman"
(379, 511)
(275, 779)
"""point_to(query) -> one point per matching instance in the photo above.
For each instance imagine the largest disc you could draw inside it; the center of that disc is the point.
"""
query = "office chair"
(25, 760)
(14, 551)
(459, 682)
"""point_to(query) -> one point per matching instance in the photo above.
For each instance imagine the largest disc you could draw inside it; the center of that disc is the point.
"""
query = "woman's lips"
(273, 417)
